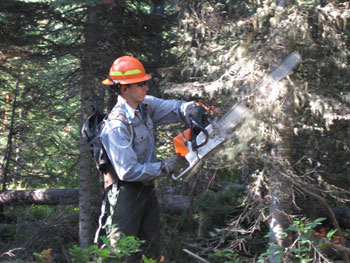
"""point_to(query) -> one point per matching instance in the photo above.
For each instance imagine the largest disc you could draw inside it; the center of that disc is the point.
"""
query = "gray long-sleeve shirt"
(138, 162)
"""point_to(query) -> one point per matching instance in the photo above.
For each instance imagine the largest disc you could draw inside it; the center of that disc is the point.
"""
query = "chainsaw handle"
(182, 174)
(201, 128)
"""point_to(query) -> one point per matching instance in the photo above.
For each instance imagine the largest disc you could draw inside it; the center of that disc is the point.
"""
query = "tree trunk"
(280, 190)
(7, 158)
(88, 95)
(155, 42)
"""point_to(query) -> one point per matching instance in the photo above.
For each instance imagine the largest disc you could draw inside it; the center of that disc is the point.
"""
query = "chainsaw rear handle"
(193, 137)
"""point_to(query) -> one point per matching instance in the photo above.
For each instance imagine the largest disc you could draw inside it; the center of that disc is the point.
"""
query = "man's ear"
(124, 88)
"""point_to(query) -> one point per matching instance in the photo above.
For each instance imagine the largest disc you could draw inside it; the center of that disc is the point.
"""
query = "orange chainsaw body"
(180, 143)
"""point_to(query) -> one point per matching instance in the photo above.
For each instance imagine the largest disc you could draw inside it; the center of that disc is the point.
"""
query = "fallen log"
(169, 203)
(40, 197)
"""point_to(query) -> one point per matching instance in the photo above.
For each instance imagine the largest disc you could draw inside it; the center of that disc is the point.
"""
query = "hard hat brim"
(134, 80)
(108, 82)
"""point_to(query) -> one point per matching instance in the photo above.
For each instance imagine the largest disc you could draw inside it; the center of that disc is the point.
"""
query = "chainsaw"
(203, 138)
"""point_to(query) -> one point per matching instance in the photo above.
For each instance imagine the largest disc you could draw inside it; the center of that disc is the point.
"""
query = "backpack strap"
(119, 116)
(102, 216)
(126, 119)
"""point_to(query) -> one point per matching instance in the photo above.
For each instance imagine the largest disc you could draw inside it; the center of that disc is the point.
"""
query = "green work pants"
(134, 211)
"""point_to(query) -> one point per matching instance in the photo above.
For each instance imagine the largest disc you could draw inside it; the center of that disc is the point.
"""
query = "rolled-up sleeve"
(115, 137)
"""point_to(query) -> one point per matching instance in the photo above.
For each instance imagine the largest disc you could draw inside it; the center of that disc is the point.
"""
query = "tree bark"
(88, 95)
(7, 159)
(281, 116)
(155, 42)
(40, 197)
(167, 202)
(280, 189)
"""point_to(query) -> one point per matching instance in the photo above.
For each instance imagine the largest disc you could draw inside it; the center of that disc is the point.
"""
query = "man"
(128, 138)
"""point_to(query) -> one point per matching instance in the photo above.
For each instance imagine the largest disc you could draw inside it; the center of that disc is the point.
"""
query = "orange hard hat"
(126, 70)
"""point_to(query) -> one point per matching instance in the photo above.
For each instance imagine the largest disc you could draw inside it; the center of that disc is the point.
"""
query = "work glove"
(191, 110)
(173, 164)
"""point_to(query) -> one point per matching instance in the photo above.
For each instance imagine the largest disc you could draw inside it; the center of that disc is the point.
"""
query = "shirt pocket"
(141, 142)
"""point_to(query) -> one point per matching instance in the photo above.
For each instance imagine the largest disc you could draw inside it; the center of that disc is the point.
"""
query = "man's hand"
(191, 110)
(173, 164)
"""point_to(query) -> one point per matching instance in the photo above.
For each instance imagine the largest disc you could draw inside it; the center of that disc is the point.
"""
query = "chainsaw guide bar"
(217, 133)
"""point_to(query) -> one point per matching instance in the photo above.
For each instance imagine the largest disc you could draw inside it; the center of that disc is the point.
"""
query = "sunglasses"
(141, 84)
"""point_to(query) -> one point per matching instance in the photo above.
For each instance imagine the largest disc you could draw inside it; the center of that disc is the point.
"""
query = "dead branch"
(328, 209)
(195, 256)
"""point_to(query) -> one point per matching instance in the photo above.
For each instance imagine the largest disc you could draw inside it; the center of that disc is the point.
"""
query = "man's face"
(135, 93)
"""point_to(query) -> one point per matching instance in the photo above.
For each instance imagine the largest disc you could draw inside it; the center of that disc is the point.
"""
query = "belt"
(137, 184)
